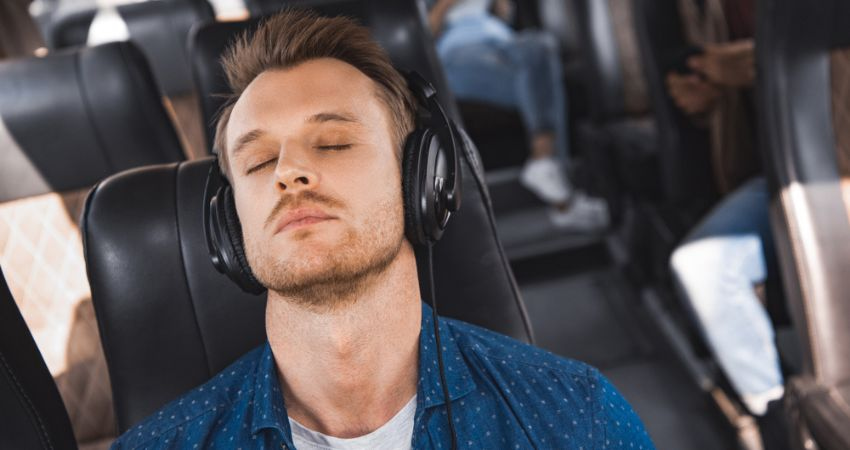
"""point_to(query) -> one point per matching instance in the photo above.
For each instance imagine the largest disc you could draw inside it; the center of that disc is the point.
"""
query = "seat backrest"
(803, 55)
(159, 27)
(165, 337)
(66, 122)
(613, 73)
(684, 154)
(398, 25)
(31, 410)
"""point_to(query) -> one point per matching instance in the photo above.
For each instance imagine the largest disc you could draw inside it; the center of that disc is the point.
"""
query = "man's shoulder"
(193, 409)
(542, 384)
(510, 354)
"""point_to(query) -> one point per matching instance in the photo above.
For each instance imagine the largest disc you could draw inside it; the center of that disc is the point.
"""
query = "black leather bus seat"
(66, 122)
(161, 29)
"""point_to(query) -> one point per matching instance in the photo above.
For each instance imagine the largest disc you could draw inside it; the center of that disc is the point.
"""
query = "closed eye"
(260, 166)
(334, 147)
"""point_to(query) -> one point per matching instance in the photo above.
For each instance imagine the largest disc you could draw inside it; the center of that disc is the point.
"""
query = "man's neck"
(347, 370)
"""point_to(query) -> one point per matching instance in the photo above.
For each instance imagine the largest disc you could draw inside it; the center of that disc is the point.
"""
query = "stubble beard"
(325, 282)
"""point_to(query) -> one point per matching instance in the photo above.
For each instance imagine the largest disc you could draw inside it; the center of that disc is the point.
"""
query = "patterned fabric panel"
(42, 257)
(636, 97)
(841, 116)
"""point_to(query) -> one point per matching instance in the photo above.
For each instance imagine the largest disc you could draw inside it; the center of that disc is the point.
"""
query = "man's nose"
(293, 176)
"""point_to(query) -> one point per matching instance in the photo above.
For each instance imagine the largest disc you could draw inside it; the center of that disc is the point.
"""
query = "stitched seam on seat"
(84, 94)
(183, 265)
(43, 436)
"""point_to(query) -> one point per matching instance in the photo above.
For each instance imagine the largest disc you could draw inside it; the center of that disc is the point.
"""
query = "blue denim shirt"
(505, 394)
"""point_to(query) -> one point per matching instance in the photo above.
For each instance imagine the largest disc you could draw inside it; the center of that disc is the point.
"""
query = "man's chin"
(322, 275)
(318, 285)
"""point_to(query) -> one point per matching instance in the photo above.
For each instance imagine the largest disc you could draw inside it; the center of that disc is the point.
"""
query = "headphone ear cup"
(411, 186)
(235, 261)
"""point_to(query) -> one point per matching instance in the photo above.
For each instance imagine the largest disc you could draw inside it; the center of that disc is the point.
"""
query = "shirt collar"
(458, 377)
(269, 410)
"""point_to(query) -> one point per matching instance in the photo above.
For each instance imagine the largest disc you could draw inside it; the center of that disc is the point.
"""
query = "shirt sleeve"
(614, 420)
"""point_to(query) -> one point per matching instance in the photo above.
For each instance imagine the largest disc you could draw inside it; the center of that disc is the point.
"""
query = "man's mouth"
(301, 217)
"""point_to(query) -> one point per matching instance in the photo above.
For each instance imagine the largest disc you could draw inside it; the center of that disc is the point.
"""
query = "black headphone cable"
(429, 286)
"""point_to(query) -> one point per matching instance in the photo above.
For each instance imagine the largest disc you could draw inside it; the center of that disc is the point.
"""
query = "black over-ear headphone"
(431, 184)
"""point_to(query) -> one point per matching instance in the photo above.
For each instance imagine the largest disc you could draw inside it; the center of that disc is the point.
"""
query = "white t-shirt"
(393, 435)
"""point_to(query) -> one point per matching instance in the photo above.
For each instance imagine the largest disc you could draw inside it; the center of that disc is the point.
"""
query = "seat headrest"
(796, 93)
(73, 118)
(396, 24)
(33, 415)
(169, 321)
(159, 27)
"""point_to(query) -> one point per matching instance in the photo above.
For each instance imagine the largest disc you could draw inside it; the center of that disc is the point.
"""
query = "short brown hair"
(295, 36)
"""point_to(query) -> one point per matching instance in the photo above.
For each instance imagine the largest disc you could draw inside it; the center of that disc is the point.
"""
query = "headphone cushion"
(410, 190)
(233, 229)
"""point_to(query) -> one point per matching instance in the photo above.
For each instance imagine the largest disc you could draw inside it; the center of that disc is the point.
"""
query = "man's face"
(316, 179)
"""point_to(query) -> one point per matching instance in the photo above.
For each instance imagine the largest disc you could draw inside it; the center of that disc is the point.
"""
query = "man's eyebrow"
(246, 139)
(332, 117)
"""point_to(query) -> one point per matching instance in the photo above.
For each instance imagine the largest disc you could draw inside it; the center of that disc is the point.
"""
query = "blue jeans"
(487, 62)
(716, 268)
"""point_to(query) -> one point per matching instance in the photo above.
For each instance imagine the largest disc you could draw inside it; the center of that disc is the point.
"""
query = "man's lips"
(300, 218)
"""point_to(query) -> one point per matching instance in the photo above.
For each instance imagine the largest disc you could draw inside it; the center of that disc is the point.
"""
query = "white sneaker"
(757, 403)
(545, 178)
(583, 214)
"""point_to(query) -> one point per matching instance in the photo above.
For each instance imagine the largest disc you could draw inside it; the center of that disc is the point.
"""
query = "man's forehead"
(326, 86)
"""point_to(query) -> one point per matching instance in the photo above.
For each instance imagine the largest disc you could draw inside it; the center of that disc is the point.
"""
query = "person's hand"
(731, 64)
(691, 94)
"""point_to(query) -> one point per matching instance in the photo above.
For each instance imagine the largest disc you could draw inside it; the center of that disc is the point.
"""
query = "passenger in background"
(721, 266)
(485, 60)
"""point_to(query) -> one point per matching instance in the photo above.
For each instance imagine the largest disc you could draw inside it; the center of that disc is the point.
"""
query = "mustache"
(299, 200)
